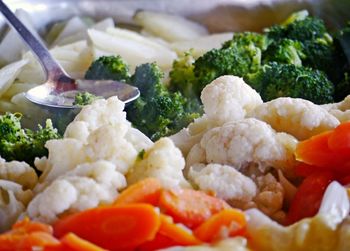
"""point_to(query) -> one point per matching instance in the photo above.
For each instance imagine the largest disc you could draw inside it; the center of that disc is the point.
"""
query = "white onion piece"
(335, 203)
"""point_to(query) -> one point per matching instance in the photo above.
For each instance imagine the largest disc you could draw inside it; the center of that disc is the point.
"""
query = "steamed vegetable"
(21, 144)
(84, 98)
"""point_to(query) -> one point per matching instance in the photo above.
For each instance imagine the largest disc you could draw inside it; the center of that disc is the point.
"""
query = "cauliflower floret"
(224, 181)
(298, 117)
(87, 186)
(13, 200)
(100, 112)
(243, 142)
(99, 132)
(19, 172)
(270, 197)
(228, 98)
(339, 110)
(163, 161)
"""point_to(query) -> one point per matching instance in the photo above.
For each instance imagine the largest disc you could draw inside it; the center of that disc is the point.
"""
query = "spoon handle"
(52, 68)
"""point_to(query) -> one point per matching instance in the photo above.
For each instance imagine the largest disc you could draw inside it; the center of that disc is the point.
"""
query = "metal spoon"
(60, 89)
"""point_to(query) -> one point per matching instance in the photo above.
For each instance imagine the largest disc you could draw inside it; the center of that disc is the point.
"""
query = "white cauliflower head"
(225, 99)
(224, 181)
(243, 142)
(87, 186)
(298, 117)
(163, 161)
(13, 201)
(18, 172)
(228, 98)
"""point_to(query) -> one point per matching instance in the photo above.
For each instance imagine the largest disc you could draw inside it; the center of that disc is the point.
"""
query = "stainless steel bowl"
(216, 15)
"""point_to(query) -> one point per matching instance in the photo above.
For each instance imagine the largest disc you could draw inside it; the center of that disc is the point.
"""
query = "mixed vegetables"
(238, 147)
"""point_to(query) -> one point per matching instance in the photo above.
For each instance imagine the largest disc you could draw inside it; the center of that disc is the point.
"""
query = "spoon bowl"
(60, 89)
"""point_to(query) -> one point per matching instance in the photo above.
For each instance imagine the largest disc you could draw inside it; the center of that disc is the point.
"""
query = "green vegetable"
(84, 98)
(108, 68)
(157, 112)
(23, 144)
(239, 56)
(286, 80)
(284, 51)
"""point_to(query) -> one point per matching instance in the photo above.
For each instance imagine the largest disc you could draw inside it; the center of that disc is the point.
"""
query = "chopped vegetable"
(84, 98)
(190, 207)
(23, 144)
(227, 223)
(144, 191)
(74, 242)
(122, 227)
(307, 199)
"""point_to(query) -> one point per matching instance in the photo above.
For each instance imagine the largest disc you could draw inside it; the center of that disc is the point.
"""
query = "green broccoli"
(239, 56)
(108, 68)
(248, 38)
(287, 80)
(157, 112)
(23, 144)
(285, 51)
(84, 98)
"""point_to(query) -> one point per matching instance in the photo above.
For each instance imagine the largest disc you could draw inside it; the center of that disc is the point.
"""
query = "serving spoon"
(60, 89)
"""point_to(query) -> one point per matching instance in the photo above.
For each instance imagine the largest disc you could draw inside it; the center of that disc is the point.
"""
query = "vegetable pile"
(234, 144)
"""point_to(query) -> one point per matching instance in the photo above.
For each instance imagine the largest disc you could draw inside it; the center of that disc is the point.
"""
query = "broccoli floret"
(285, 51)
(84, 98)
(157, 112)
(182, 77)
(286, 80)
(23, 144)
(108, 68)
(247, 38)
(239, 56)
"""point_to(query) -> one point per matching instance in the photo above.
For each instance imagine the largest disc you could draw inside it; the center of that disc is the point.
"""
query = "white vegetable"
(298, 117)
(169, 27)
(246, 141)
(201, 45)
(162, 161)
(18, 172)
(13, 200)
(9, 73)
(73, 26)
(224, 181)
(87, 186)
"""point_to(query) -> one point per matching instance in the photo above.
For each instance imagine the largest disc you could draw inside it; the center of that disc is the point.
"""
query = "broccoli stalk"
(23, 144)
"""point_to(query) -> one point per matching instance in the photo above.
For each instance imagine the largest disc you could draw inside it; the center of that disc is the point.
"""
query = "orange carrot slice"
(144, 191)
(124, 226)
(28, 226)
(227, 223)
(170, 234)
(75, 243)
(190, 207)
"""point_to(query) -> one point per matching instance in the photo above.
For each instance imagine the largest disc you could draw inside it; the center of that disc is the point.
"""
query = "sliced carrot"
(339, 140)
(170, 234)
(308, 197)
(75, 243)
(28, 226)
(26, 241)
(227, 223)
(144, 191)
(316, 152)
(114, 227)
(190, 207)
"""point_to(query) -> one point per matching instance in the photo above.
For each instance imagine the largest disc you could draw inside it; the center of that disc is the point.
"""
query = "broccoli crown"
(148, 79)
(248, 38)
(108, 68)
(23, 144)
(286, 80)
(285, 51)
(182, 77)
(157, 112)
(308, 28)
(237, 59)
(84, 98)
